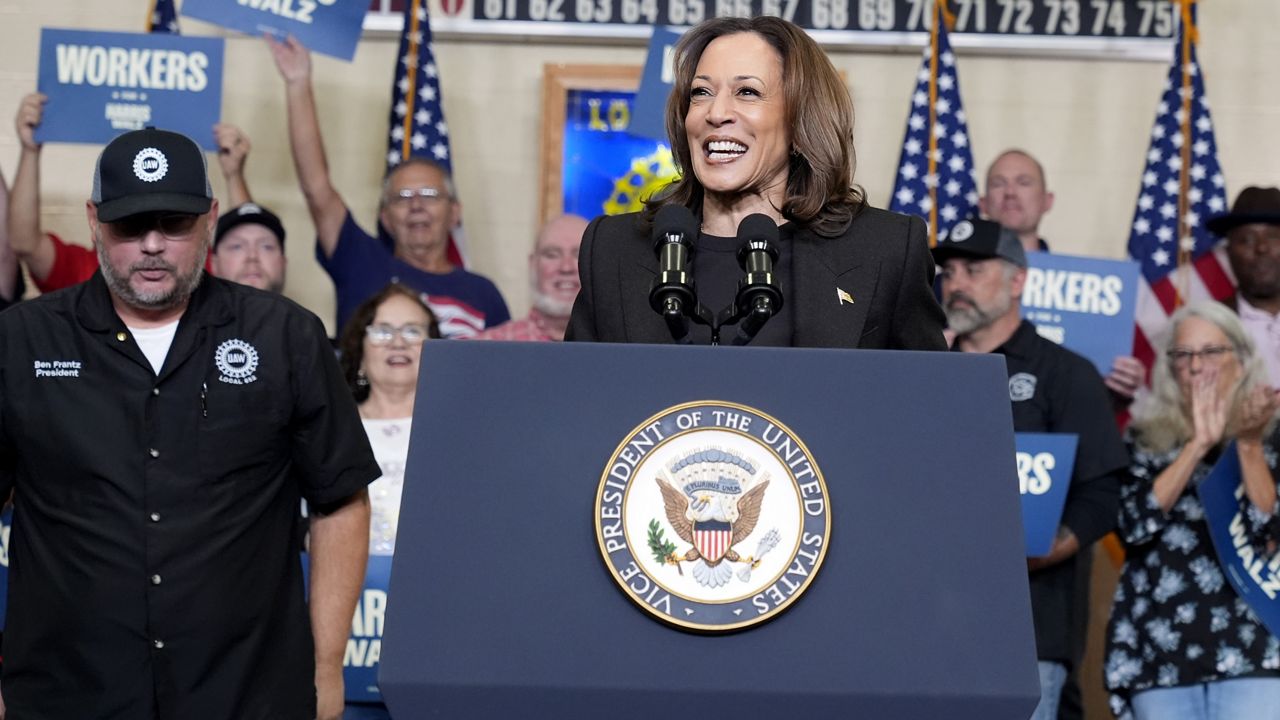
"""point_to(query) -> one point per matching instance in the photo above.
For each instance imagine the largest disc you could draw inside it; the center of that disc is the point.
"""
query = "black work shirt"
(717, 273)
(154, 567)
(1054, 390)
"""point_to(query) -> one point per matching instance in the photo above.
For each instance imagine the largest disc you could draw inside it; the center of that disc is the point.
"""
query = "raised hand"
(1208, 411)
(30, 114)
(292, 59)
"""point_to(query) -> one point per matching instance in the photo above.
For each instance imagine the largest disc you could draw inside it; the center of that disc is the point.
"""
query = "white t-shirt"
(390, 442)
(154, 342)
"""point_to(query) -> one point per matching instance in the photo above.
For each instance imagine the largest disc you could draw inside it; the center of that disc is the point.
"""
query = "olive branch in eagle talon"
(664, 551)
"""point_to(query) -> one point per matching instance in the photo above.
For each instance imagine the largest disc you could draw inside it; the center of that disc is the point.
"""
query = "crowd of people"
(180, 407)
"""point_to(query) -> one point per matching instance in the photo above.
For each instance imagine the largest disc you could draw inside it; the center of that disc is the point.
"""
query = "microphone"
(672, 295)
(759, 297)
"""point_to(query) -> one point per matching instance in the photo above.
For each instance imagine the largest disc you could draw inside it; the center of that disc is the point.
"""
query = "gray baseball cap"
(981, 240)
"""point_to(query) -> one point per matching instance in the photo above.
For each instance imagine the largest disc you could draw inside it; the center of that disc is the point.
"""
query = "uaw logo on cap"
(962, 231)
(236, 360)
(150, 165)
(712, 516)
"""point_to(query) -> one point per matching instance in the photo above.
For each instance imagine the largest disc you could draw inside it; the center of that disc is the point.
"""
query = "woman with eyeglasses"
(380, 347)
(1180, 642)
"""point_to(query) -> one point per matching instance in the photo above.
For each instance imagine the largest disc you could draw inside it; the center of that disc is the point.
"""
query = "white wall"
(1088, 121)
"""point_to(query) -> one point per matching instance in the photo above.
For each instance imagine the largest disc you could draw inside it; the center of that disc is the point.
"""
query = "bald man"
(553, 273)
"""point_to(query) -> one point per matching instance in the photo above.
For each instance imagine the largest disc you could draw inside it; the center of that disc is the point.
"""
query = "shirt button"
(155, 391)
(155, 579)
(121, 336)
(153, 453)
(159, 644)
(155, 517)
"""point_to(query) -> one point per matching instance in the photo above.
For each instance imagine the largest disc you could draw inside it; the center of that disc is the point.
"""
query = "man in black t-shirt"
(1052, 390)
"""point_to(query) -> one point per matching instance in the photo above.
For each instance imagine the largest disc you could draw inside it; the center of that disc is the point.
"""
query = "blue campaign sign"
(1255, 577)
(649, 116)
(1045, 462)
(1086, 304)
(101, 84)
(330, 27)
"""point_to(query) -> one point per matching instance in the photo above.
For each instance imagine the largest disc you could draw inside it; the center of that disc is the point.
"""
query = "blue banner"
(330, 27)
(6, 528)
(1045, 462)
(1256, 578)
(649, 118)
(101, 84)
(606, 169)
(1085, 304)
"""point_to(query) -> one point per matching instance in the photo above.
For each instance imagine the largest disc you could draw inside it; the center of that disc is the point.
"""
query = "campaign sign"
(1255, 576)
(330, 27)
(649, 118)
(1045, 462)
(1085, 304)
(101, 84)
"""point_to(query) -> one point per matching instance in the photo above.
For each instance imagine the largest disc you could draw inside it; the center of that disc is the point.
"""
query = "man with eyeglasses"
(1252, 230)
(55, 264)
(553, 275)
(1052, 390)
(418, 209)
(158, 427)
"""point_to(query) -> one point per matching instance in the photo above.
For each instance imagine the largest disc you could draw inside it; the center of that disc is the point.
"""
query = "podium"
(501, 604)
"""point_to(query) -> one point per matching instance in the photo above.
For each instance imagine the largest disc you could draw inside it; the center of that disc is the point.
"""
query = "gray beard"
(552, 307)
(964, 320)
(119, 285)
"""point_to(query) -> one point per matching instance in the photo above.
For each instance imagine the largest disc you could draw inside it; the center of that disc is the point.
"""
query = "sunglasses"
(171, 225)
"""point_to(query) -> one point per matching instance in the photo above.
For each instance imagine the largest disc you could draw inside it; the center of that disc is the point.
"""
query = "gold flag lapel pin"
(844, 297)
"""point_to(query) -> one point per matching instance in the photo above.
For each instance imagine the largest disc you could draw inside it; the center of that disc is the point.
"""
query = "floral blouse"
(1176, 619)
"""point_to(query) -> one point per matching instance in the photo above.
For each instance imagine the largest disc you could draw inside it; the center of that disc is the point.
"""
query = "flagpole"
(1185, 238)
(412, 72)
(933, 118)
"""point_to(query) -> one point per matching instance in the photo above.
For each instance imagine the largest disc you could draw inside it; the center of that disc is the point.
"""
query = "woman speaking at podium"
(760, 123)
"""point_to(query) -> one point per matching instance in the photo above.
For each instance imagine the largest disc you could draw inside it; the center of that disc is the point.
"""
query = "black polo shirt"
(154, 567)
(1054, 390)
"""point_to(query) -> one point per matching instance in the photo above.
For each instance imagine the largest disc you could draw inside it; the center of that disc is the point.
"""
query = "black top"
(868, 287)
(18, 291)
(154, 568)
(716, 274)
(1054, 390)
(1176, 619)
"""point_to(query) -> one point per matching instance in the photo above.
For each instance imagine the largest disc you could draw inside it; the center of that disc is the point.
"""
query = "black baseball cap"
(981, 240)
(151, 171)
(246, 214)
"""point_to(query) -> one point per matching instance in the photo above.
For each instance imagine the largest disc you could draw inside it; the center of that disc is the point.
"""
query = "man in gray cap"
(158, 428)
(1051, 390)
(1252, 230)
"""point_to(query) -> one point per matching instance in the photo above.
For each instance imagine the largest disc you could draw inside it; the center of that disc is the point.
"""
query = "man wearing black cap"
(1252, 230)
(248, 248)
(1052, 390)
(158, 427)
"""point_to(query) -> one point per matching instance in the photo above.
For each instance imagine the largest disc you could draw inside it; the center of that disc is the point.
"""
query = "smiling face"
(395, 363)
(554, 265)
(737, 119)
(419, 225)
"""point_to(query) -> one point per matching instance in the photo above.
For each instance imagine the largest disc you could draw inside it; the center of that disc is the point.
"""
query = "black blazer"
(881, 261)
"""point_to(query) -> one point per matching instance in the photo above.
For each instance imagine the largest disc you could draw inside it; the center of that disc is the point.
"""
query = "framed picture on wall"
(590, 164)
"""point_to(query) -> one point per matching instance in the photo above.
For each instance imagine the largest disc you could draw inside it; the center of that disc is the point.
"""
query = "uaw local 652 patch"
(713, 516)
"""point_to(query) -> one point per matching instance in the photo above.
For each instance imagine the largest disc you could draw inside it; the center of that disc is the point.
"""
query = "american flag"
(163, 17)
(418, 128)
(936, 177)
(1182, 186)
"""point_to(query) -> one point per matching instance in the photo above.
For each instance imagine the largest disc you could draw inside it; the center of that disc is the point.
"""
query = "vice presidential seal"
(712, 516)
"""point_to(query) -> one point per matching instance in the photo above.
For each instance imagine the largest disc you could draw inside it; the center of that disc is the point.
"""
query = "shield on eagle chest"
(712, 539)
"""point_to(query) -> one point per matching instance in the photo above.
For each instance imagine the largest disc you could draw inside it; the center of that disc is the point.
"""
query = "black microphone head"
(758, 226)
(674, 220)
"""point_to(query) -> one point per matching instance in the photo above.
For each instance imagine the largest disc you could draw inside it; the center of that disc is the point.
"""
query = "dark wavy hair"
(351, 341)
(820, 194)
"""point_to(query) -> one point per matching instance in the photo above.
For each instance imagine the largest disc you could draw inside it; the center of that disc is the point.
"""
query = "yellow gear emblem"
(647, 176)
